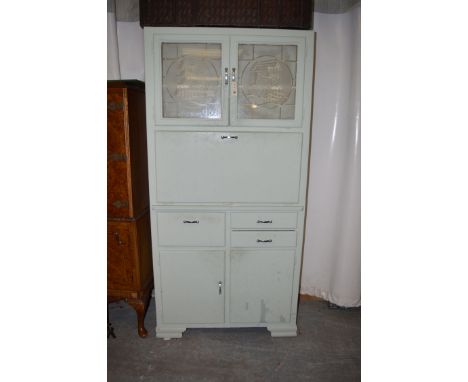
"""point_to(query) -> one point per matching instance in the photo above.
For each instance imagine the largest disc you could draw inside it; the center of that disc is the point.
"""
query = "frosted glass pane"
(191, 80)
(267, 81)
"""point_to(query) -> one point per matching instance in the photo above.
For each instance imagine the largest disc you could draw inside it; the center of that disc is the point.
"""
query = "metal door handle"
(264, 241)
(226, 76)
(265, 221)
(220, 284)
(233, 75)
(229, 137)
(191, 221)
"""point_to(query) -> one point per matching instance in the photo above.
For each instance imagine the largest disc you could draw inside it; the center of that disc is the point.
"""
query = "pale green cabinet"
(228, 128)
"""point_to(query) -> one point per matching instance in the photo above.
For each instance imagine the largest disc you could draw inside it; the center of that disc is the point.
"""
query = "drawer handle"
(120, 204)
(265, 221)
(191, 221)
(220, 285)
(229, 137)
(114, 106)
(116, 157)
(264, 241)
(117, 238)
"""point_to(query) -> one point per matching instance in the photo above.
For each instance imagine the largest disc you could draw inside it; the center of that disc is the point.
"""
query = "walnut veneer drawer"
(263, 239)
(260, 220)
(191, 229)
(121, 256)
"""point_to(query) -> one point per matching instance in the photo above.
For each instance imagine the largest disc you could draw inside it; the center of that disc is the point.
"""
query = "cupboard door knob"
(220, 284)
(265, 221)
(264, 241)
(191, 221)
(233, 74)
(226, 76)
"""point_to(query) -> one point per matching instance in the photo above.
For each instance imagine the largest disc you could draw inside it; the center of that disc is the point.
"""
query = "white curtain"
(113, 66)
(332, 249)
(125, 48)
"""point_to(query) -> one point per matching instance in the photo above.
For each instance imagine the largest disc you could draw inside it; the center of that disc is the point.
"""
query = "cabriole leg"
(140, 307)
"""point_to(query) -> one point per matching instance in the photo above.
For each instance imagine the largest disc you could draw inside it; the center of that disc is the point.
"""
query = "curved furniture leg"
(140, 307)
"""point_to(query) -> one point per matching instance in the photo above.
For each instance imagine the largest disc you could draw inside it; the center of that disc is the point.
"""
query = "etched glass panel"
(191, 80)
(267, 81)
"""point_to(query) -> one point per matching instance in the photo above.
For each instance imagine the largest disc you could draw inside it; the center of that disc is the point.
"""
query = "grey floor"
(327, 348)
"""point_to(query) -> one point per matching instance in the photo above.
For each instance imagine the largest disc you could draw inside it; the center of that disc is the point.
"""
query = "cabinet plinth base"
(169, 332)
(283, 330)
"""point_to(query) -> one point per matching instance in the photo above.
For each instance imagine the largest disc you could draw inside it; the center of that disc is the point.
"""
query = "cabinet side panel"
(138, 150)
(145, 258)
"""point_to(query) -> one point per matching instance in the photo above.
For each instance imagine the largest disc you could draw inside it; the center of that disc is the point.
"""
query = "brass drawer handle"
(265, 221)
(114, 106)
(264, 241)
(120, 204)
(117, 237)
(116, 157)
(191, 221)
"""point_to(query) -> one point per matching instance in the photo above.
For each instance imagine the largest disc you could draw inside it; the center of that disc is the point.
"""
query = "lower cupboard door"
(192, 284)
(261, 286)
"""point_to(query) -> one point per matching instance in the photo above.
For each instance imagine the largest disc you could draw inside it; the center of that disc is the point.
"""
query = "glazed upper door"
(267, 80)
(221, 77)
(190, 73)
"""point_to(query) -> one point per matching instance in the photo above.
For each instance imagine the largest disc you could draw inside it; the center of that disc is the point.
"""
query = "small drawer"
(263, 239)
(267, 220)
(191, 229)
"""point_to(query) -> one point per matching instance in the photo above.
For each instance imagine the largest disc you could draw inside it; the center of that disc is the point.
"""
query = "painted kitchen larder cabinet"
(228, 128)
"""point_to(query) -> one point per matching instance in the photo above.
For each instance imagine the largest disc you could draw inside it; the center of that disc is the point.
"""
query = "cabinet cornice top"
(229, 31)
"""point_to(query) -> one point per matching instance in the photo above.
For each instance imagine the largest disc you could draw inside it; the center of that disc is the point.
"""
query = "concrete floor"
(328, 348)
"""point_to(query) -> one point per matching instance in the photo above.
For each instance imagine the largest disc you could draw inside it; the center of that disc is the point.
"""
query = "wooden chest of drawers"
(129, 260)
